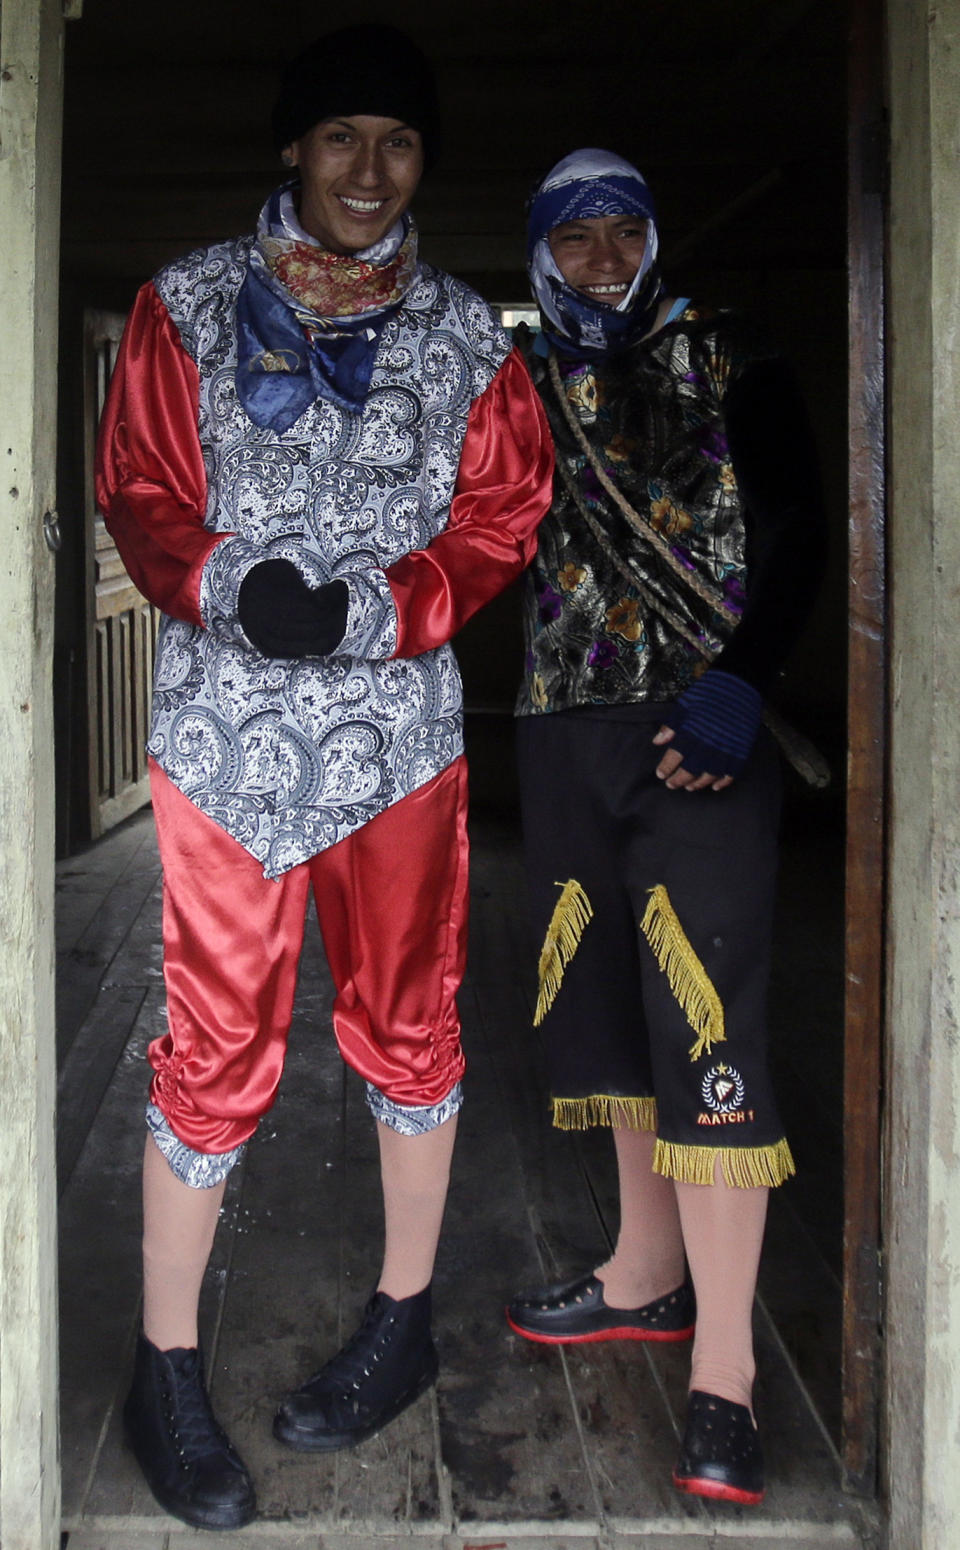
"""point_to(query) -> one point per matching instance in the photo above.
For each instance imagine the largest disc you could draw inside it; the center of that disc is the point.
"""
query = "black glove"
(283, 617)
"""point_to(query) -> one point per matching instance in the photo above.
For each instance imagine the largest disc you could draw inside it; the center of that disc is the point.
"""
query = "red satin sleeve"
(150, 480)
(504, 488)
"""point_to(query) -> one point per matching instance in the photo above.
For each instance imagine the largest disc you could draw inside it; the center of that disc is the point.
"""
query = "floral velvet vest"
(654, 419)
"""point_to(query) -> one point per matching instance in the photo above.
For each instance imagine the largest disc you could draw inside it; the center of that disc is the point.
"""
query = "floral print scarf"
(309, 321)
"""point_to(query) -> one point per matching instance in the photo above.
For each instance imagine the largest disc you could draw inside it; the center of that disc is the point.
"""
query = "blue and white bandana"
(588, 185)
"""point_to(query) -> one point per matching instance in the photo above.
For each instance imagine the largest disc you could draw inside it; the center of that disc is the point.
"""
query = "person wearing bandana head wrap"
(592, 186)
(319, 456)
(673, 574)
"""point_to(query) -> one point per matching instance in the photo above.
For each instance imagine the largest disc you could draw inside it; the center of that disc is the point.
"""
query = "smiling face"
(357, 177)
(600, 257)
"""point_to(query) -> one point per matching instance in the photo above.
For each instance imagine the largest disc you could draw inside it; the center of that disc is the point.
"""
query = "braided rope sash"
(653, 602)
(712, 596)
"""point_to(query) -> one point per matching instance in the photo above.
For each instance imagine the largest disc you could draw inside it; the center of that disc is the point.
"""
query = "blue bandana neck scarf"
(296, 342)
(588, 185)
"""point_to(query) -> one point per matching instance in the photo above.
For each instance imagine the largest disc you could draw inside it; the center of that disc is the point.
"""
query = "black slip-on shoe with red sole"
(720, 1456)
(574, 1312)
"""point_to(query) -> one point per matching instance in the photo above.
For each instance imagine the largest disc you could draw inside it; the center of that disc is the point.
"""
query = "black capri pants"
(659, 1021)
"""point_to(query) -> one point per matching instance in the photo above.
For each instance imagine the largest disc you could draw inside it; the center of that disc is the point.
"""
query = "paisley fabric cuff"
(371, 631)
(225, 569)
(409, 1121)
(199, 1170)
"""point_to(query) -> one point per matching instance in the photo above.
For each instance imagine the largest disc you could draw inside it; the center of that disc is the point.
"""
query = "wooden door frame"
(921, 1204)
(29, 1477)
(867, 740)
(120, 626)
(31, 54)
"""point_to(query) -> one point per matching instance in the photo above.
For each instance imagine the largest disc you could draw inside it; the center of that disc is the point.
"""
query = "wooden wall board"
(867, 765)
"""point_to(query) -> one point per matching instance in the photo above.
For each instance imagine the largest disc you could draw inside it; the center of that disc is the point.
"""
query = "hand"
(671, 770)
(283, 617)
(715, 723)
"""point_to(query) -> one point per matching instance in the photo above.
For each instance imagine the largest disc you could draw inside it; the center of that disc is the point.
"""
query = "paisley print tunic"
(290, 757)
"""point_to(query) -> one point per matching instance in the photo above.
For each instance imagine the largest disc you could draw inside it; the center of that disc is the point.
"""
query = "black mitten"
(283, 617)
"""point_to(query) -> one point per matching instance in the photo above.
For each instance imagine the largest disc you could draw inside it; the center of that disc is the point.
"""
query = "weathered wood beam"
(30, 108)
(922, 1081)
(867, 752)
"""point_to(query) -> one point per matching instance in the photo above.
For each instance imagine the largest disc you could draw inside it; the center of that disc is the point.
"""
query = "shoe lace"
(198, 1434)
(341, 1382)
(356, 1360)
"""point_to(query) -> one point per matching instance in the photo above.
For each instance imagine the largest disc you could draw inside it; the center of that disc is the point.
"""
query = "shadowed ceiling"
(734, 109)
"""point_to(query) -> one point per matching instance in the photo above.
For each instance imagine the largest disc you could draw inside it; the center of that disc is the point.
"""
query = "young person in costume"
(319, 457)
(672, 577)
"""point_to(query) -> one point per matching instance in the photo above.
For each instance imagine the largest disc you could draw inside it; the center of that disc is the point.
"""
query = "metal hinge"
(51, 531)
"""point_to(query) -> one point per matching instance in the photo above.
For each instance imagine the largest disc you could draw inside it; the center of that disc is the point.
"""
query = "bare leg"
(187, 1461)
(415, 1171)
(723, 1233)
(178, 1229)
(648, 1259)
(391, 1358)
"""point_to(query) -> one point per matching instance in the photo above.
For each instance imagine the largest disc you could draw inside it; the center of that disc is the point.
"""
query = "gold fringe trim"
(743, 1167)
(610, 1109)
(689, 981)
(572, 913)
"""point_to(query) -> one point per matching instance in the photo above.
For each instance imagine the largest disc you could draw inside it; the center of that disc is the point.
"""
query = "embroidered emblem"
(275, 360)
(722, 1088)
(723, 1091)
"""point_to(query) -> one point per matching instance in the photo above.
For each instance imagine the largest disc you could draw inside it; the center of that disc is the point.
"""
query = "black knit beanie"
(365, 69)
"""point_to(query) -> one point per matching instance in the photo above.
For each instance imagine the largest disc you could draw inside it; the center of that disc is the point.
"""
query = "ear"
(290, 155)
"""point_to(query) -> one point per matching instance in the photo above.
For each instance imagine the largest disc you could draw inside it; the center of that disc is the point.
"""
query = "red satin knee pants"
(391, 900)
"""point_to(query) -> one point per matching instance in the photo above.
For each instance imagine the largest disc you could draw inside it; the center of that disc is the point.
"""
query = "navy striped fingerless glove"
(715, 724)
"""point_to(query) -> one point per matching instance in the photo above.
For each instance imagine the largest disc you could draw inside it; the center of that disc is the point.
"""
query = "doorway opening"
(166, 148)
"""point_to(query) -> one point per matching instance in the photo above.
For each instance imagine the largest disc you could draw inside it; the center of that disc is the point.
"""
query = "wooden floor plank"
(114, 1539)
(138, 958)
(521, 1445)
(100, 1293)
(282, 1303)
(620, 1394)
(131, 846)
(88, 1069)
(393, 1479)
(86, 952)
(802, 1297)
(510, 1439)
